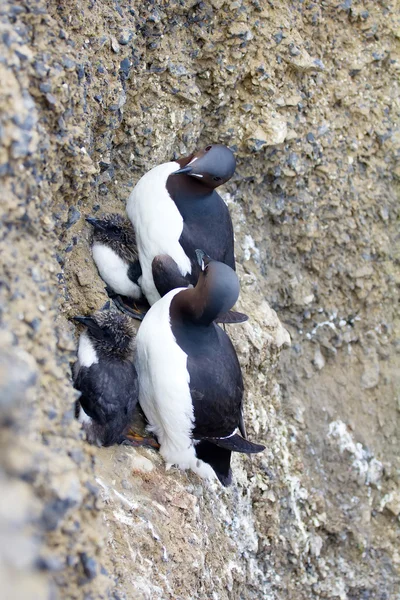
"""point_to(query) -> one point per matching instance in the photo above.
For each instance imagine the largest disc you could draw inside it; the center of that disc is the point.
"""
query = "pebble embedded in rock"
(125, 36)
(89, 566)
(73, 216)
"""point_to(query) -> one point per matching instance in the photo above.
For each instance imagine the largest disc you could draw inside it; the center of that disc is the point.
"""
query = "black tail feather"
(235, 443)
(232, 317)
(218, 458)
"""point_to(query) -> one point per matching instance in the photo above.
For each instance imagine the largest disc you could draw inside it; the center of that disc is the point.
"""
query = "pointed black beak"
(200, 254)
(185, 170)
(88, 321)
(202, 258)
(97, 223)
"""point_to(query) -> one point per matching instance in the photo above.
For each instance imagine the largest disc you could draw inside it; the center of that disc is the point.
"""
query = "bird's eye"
(208, 148)
(217, 178)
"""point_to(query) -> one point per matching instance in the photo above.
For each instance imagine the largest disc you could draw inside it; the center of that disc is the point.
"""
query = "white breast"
(114, 271)
(164, 393)
(83, 418)
(158, 224)
(87, 355)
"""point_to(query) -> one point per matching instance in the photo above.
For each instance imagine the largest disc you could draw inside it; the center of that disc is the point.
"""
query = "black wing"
(208, 226)
(109, 391)
(166, 274)
(216, 386)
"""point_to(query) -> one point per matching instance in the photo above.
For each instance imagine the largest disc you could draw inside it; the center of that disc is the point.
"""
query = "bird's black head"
(111, 332)
(217, 288)
(115, 231)
(212, 166)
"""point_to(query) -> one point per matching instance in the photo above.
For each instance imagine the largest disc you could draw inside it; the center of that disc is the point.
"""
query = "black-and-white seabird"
(175, 209)
(107, 379)
(115, 254)
(191, 386)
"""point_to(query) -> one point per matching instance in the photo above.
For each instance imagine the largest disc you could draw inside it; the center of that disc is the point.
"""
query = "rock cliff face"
(92, 95)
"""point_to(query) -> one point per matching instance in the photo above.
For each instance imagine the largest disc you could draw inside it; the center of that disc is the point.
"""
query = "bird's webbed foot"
(122, 305)
(132, 438)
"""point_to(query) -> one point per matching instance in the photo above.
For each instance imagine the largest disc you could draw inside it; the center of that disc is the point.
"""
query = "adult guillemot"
(191, 386)
(175, 209)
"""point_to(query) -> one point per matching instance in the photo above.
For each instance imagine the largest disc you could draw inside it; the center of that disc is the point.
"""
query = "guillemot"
(175, 209)
(107, 379)
(191, 386)
(116, 258)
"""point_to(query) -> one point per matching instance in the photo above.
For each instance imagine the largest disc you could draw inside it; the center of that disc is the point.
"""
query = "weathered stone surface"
(92, 95)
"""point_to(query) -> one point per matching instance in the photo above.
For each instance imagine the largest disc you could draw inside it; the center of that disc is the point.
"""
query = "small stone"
(157, 68)
(45, 87)
(18, 373)
(54, 512)
(125, 65)
(83, 275)
(185, 501)
(68, 63)
(177, 70)
(371, 374)
(140, 463)
(293, 100)
(322, 130)
(114, 45)
(89, 565)
(51, 99)
(93, 489)
(126, 484)
(346, 5)
(40, 68)
(391, 501)
(271, 133)
(49, 563)
(80, 71)
(319, 360)
(73, 216)
(365, 271)
(294, 50)
(77, 456)
(319, 64)
(104, 166)
(278, 37)
(106, 176)
(125, 36)
(293, 160)
(35, 324)
(378, 55)
(20, 148)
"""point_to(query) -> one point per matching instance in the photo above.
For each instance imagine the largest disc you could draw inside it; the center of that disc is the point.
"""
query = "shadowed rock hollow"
(92, 95)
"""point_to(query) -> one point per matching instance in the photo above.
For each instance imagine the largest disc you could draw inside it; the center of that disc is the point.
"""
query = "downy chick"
(106, 376)
(115, 254)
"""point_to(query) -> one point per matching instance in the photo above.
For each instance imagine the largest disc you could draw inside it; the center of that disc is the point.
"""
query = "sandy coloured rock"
(93, 94)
